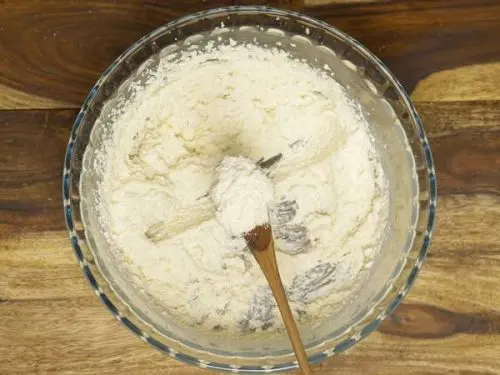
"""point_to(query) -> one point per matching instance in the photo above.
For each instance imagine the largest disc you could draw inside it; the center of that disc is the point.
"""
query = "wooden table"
(445, 52)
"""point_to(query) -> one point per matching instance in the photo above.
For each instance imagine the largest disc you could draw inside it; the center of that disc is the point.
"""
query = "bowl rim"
(189, 359)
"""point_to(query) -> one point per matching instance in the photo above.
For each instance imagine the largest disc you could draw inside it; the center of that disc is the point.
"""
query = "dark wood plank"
(418, 37)
(330, 2)
(56, 50)
(430, 322)
(32, 150)
(465, 139)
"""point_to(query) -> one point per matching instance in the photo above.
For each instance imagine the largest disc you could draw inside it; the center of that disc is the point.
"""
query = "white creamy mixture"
(162, 164)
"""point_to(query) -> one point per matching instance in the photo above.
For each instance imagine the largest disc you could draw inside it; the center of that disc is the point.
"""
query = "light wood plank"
(74, 336)
(16, 99)
(452, 118)
(40, 265)
(473, 82)
(78, 337)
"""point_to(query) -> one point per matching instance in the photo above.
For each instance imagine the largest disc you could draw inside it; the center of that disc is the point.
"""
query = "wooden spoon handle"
(291, 327)
(267, 261)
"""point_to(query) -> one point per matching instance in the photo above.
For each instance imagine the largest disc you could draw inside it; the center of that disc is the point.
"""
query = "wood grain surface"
(446, 53)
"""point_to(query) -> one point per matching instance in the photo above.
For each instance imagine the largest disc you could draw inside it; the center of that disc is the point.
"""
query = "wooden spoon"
(260, 241)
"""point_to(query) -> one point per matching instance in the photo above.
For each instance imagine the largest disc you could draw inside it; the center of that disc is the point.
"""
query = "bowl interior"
(399, 138)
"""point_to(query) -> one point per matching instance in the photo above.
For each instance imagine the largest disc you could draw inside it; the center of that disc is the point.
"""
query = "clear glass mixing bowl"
(399, 136)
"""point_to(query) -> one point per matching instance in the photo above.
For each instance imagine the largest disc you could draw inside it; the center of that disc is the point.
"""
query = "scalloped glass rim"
(122, 313)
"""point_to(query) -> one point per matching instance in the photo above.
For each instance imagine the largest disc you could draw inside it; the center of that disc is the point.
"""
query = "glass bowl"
(399, 136)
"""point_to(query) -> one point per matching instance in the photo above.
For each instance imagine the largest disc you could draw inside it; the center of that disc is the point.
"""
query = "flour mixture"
(172, 208)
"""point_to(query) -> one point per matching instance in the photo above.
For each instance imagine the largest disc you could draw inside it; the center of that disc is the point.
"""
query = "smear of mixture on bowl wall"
(181, 178)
